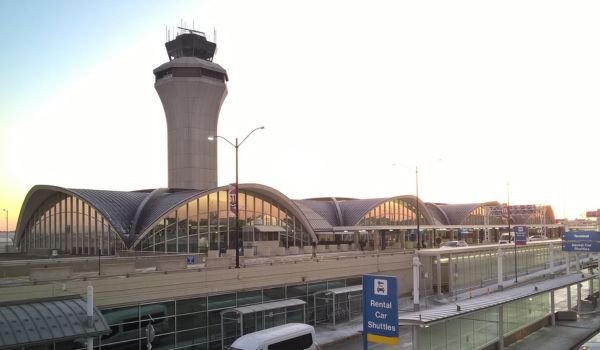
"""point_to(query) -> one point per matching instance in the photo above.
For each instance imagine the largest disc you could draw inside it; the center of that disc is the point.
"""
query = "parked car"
(537, 238)
(454, 244)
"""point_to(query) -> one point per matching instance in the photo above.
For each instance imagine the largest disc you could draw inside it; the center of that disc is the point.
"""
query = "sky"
(491, 101)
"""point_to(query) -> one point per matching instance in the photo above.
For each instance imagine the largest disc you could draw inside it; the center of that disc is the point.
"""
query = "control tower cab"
(192, 89)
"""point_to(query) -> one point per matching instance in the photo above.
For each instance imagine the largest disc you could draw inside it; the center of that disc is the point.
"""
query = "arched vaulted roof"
(458, 213)
(133, 214)
(116, 207)
(326, 213)
(439, 217)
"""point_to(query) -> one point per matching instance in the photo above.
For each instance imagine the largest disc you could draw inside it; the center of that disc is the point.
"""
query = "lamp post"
(417, 209)
(508, 220)
(6, 244)
(236, 145)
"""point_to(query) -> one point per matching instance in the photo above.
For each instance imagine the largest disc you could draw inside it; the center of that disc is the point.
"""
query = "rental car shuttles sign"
(380, 309)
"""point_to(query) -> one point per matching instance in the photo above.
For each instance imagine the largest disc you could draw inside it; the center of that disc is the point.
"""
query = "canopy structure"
(331, 294)
(453, 310)
(46, 322)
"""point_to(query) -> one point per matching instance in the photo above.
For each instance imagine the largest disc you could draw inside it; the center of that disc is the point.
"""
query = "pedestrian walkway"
(564, 336)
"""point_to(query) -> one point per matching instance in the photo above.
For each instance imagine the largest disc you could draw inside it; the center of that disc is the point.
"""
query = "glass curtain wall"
(70, 225)
(479, 329)
(394, 213)
(195, 323)
(205, 223)
(478, 269)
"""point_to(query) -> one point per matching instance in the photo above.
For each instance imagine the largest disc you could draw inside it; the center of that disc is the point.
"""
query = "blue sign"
(191, 260)
(520, 235)
(581, 241)
(580, 246)
(380, 309)
(581, 236)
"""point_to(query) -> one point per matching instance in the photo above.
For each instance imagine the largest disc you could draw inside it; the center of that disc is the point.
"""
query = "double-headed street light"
(236, 145)
(417, 206)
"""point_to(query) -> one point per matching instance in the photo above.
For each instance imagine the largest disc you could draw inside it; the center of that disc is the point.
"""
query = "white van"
(291, 336)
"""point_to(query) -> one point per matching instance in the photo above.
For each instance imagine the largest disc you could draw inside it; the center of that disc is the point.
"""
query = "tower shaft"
(192, 90)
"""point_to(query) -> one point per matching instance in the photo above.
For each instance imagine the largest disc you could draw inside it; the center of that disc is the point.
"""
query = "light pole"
(236, 145)
(508, 220)
(417, 209)
(6, 244)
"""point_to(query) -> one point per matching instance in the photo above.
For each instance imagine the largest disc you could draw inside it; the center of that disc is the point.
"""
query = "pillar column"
(500, 276)
(500, 327)
(578, 298)
(552, 310)
(439, 274)
(451, 283)
(416, 264)
(551, 258)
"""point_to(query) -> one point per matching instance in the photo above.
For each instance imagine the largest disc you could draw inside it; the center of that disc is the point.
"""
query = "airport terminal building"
(163, 257)
(91, 222)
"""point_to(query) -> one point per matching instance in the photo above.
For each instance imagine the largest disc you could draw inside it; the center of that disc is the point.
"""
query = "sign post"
(380, 310)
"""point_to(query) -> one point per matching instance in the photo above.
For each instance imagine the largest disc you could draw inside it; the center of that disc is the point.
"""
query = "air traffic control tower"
(192, 89)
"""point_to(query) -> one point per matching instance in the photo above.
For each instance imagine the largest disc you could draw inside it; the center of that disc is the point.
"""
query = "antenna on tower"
(215, 35)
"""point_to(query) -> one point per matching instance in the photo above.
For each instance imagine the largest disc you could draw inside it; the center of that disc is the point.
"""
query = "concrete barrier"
(344, 247)
(224, 262)
(171, 264)
(213, 254)
(50, 274)
(321, 248)
(119, 269)
(40, 251)
(263, 251)
(332, 248)
(308, 249)
(231, 252)
(249, 251)
(279, 251)
(293, 250)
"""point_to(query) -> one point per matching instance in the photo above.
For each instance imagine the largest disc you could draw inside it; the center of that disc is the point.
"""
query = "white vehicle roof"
(257, 339)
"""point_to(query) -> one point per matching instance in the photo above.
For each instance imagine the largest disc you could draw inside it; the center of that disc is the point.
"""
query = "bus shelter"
(338, 304)
(252, 318)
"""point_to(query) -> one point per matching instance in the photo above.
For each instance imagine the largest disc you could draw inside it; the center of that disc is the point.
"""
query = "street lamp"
(236, 145)
(508, 220)
(6, 244)
(417, 192)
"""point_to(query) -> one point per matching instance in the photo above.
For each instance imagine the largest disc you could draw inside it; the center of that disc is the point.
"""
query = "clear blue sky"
(502, 92)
